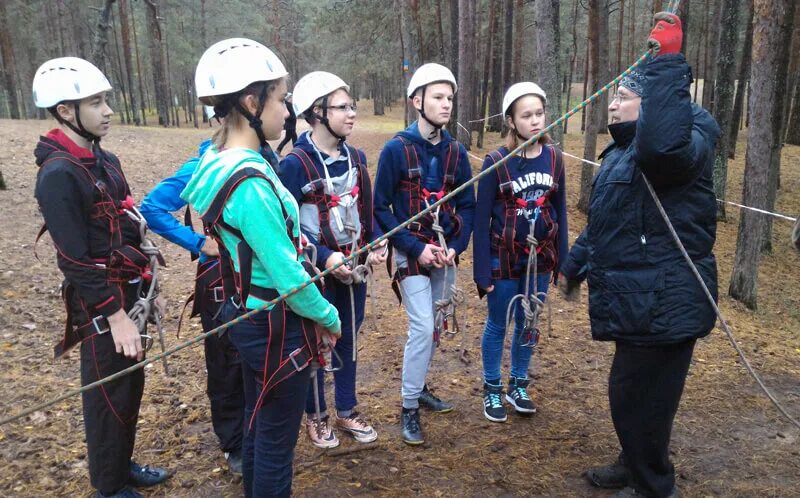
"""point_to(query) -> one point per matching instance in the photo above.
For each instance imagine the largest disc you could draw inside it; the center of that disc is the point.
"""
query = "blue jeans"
(344, 380)
(268, 446)
(495, 331)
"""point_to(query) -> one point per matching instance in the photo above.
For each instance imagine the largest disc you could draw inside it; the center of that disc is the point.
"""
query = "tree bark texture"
(763, 140)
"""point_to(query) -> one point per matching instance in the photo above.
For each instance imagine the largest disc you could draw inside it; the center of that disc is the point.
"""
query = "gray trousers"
(419, 296)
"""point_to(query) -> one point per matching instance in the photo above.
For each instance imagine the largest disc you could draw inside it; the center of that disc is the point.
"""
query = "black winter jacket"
(640, 288)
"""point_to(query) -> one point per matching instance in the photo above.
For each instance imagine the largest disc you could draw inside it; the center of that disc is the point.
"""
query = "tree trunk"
(723, 109)
(487, 70)
(573, 61)
(593, 111)
(604, 68)
(519, 28)
(508, 45)
(793, 128)
(455, 50)
(782, 92)
(157, 61)
(684, 9)
(2, 181)
(139, 69)
(466, 49)
(769, 53)
(7, 52)
(101, 36)
(172, 98)
(123, 91)
(585, 80)
(620, 27)
(632, 41)
(128, 56)
(742, 84)
(377, 96)
(440, 29)
(710, 57)
(409, 52)
(495, 124)
(792, 112)
(548, 41)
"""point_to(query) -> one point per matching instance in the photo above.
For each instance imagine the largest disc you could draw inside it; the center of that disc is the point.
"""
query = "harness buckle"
(414, 172)
(218, 294)
(97, 327)
(292, 356)
(507, 187)
(311, 186)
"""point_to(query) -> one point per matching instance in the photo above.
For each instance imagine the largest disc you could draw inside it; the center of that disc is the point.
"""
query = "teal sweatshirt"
(255, 210)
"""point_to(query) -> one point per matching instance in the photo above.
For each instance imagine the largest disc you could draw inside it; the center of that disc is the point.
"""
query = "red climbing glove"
(667, 35)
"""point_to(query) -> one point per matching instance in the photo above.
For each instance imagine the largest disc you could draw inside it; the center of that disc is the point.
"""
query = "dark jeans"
(110, 412)
(345, 379)
(644, 390)
(224, 385)
(268, 445)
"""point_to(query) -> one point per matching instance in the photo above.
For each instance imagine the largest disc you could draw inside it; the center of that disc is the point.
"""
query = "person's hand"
(126, 335)
(667, 35)
(570, 289)
(327, 339)
(489, 289)
(429, 256)
(447, 260)
(210, 248)
(343, 272)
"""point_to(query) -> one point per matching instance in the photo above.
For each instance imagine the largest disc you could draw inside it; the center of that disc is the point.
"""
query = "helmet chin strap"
(80, 130)
(436, 127)
(255, 119)
(324, 120)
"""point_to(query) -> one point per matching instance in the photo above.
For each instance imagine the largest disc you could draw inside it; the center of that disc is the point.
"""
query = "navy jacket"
(294, 177)
(640, 288)
(391, 203)
(532, 178)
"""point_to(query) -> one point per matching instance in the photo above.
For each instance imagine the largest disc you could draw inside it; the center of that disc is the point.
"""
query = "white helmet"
(430, 73)
(67, 78)
(230, 65)
(313, 87)
(518, 90)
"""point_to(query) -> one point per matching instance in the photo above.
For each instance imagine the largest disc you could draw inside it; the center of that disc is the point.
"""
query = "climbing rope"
(353, 256)
(672, 7)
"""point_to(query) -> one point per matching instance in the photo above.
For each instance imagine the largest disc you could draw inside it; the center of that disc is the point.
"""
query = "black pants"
(110, 412)
(644, 390)
(224, 385)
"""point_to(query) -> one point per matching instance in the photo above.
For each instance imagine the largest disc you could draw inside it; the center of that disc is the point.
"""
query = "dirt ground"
(728, 440)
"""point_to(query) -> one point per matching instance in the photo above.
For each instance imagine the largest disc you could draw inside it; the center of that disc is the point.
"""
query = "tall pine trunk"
(157, 61)
(765, 109)
(742, 83)
(594, 113)
(7, 52)
(124, 26)
(723, 108)
(547, 61)
(466, 49)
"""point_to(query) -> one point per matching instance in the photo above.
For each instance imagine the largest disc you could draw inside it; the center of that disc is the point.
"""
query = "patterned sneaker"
(493, 408)
(356, 426)
(517, 395)
(320, 432)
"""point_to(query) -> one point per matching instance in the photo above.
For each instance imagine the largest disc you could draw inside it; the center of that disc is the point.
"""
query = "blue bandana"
(634, 81)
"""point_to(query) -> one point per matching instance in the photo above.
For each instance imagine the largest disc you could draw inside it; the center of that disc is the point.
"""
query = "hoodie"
(391, 202)
(254, 209)
(83, 232)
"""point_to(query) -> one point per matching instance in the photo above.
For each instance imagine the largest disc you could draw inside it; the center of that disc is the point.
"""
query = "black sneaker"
(613, 476)
(434, 404)
(234, 459)
(517, 395)
(125, 492)
(410, 428)
(142, 476)
(493, 408)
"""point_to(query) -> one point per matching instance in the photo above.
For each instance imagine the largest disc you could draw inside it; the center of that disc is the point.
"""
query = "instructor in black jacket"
(642, 294)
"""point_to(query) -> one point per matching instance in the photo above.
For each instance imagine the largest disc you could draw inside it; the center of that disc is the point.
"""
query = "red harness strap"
(507, 247)
(314, 193)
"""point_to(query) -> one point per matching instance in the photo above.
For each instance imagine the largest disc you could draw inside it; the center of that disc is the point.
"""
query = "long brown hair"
(225, 107)
(512, 140)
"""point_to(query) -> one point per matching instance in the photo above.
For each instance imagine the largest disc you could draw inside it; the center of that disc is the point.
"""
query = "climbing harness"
(446, 306)
(531, 303)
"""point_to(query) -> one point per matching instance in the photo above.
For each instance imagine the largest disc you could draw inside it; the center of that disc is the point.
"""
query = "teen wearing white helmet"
(68, 80)
(82, 195)
(531, 186)
(329, 179)
(238, 67)
(255, 221)
(416, 167)
(440, 103)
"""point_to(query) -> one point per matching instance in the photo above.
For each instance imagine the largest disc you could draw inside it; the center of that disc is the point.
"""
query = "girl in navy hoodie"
(527, 190)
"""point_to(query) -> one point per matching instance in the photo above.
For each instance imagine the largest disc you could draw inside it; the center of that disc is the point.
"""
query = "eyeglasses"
(344, 107)
(618, 97)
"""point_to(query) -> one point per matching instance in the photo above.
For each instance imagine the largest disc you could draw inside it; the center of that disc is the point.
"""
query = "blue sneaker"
(517, 395)
(493, 408)
(144, 476)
